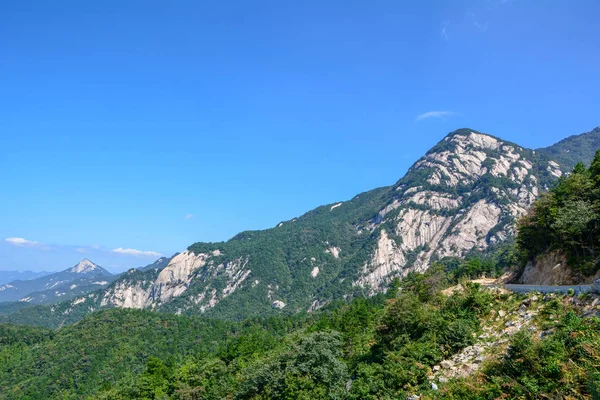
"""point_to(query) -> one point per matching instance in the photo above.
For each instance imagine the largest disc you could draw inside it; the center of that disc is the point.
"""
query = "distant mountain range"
(8, 276)
(79, 279)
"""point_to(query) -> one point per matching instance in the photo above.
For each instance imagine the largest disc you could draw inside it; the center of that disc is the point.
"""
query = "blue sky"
(135, 128)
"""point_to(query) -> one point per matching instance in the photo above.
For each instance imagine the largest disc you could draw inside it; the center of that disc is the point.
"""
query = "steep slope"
(560, 237)
(462, 196)
(85, 276)
(574, 149)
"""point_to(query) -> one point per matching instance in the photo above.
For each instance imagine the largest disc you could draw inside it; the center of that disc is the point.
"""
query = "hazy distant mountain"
(81, 278)
(8, 276)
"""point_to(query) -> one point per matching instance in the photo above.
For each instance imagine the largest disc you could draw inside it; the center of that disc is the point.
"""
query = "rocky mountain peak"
(468, 137)
(465, 194)
(84, 266)
(465, 155)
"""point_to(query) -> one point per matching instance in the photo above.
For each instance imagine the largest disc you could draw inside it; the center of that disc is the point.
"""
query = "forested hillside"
(567, 220)
(386, 347)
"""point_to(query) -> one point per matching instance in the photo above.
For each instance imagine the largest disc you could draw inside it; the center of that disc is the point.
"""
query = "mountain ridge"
(463, 195)
(67, 283)
(7, 276)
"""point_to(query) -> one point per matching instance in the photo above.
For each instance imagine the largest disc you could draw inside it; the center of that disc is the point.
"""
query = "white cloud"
(21, 242)
(481, 26)
(188, 216)
(80, 250)
(138, 253)
(435, 114)
(444, 31)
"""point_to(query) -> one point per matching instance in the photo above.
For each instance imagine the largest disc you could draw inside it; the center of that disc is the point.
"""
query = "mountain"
(574, 149)
(79, 279)
(158, 264)
(463, 196)
(8, 276)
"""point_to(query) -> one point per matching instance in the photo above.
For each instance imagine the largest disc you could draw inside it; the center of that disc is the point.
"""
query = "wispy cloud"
(188, 216)
(93, 249)
(15, 241)
(137, 253)
(444, 31)
(435, 114)
(481, 26)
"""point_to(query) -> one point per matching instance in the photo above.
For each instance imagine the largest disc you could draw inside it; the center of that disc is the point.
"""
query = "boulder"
(278, 304)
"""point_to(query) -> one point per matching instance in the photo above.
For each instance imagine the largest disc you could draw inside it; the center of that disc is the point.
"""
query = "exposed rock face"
(387, 259)
(174, 280)
(472, 188)
(334, 251)
(278, 304)
(175, 277)
(472, 229)
(127, 295)
(549, 269)
(84, 266)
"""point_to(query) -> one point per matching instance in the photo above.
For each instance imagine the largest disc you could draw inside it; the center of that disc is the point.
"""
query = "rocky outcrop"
(388, 259)
(548, 269)
(471, 230)
(470, 190)
(128, 295)
(176, 278)
(491, 343)
(84, 266)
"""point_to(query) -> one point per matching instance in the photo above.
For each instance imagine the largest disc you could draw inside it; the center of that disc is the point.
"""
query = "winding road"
(543, 288)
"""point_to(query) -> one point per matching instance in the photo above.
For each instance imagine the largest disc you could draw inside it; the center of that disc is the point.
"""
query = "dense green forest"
(383, 347)
(567, 219)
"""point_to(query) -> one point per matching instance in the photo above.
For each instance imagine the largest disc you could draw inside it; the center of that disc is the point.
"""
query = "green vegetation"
(489, 264)
(561, 365)
(577, 148)
(383, 347)
(375, 347)
(567, 219)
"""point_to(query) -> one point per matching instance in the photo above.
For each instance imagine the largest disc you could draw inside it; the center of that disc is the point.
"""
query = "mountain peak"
(473, 138)
(84, 266)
